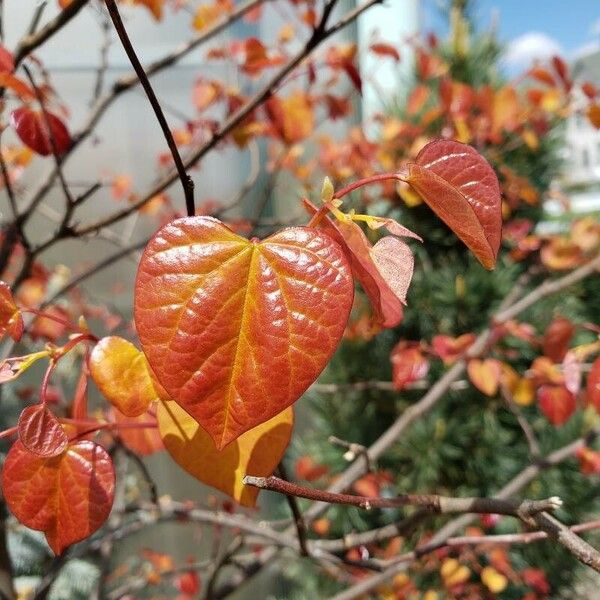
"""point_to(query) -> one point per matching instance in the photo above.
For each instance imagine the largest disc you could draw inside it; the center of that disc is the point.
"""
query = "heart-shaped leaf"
(236, 330)
(68, 497)
(462, 189)
(256, 452)
(485, 375)
(32, 127)
(408, 364)
(40, 431)
(120, 371)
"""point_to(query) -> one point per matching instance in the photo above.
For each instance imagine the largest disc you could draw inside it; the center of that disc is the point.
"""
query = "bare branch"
(186, 180)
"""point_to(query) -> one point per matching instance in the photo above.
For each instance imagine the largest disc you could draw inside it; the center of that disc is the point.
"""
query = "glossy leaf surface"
(68, 497)
(40, 432)
(462, 189)
(219, 316)
(32, 127)
(256, 452)
(120, 371)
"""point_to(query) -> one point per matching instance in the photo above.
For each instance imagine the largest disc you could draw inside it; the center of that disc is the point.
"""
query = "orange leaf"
(449, 349)
(68, 497)
(309, 470)
(493, 580)
(485, 375)
(459, 185)
(218, 315)
(589, 460)
(417, 100)
(16, 85)
(11, 321)
(408, 365)
(120, 371)
(154, 6)
(256, 452)
(383, 270)
(142, 440)
(593, 114)
(385, 50)
(557, 403)
(40, 432)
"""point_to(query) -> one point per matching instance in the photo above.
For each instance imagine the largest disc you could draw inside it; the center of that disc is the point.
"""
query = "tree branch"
(186, 180)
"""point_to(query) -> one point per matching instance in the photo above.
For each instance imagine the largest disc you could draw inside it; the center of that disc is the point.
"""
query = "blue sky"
(534, 26)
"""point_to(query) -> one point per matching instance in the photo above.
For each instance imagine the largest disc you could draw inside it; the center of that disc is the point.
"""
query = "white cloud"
(595, 29)
(529, 47)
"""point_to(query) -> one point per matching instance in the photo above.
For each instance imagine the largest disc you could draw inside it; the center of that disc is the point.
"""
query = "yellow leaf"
(453, 573)
(493, 580)
(121, 373)
(256, 452)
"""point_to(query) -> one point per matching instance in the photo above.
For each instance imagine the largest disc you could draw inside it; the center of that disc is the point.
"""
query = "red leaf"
(219, 315)
(449, 349)
(385, 50)
(32, 128)
(557, 338)
(593, 385)
(408, 365)
(309, 470)
(352, 72)
(461, 187)
(7, 64)
(40, 432)
(11, 321)
(68, 497)
(557, 403)
(563, 72)
(589, 460)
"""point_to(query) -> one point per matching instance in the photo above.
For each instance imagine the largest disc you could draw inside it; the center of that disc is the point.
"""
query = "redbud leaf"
(462, 189)
(142, 440)
(256, 452)
(408, 365)
(11, 321)
(32, 127)
(68, 497)
(236, 330)
(40, 431)
(120, 371)
(383, 270)
(557, 403)
(485, 375)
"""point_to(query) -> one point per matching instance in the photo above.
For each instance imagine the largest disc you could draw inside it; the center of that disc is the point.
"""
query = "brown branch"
(437, 391)
(534, 447)
(318, 37)
(296, 513)
(523, 509)
(517, 483)
(186, 180)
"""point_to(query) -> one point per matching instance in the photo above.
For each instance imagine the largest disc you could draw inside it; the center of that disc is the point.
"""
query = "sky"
(534, 28)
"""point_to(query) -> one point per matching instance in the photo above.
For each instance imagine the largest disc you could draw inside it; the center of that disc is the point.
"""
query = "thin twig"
(534, 447)
(186, 180)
